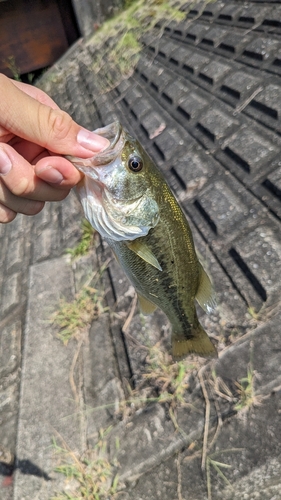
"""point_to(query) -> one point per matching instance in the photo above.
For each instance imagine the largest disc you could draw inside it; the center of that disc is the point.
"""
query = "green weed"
(85, 243)
(253, 313)
(73, 317)
(246, 391)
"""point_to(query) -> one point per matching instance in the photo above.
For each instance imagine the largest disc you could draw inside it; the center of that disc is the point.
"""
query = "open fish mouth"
(116, 136)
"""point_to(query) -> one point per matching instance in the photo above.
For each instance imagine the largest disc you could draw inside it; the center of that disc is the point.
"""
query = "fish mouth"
(116, 135)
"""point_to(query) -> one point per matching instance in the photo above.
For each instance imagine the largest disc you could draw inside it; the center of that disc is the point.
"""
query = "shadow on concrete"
(25, 467)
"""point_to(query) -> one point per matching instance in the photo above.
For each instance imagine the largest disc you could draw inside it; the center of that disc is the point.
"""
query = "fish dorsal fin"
(146, 306)
(205, 295)
(142, 250)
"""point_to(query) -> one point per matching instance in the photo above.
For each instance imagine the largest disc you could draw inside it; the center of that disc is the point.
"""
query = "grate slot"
(225, 17)
(188, 68)
(167, 98)
(265, 109)
(191, 36)
(248, 273)
(206, 78)
(159, 151)
(272, 188)
(178, 177)
(206, 216)
(232, 92)
(225, 46)
(242, 163)
(272, 23)
(253, 55)
(183, 112)
(206, 132)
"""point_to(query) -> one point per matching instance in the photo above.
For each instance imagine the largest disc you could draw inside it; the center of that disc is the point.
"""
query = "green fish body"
(151, 238)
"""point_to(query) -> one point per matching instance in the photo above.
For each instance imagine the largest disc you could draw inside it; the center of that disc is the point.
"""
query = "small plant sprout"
(252, 312)
(12, 65)
(85, 243)
(212, 463)
(246, 391)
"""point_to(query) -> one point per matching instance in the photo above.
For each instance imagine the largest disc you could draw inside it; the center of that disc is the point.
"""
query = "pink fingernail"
(5, 163)
(50, 174)
(92, 141)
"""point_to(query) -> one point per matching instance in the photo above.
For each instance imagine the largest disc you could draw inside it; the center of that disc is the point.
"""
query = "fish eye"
(135, 163)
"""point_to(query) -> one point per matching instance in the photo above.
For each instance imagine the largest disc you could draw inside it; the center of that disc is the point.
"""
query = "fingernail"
(92, 141)
(50, 174)
(5, 163)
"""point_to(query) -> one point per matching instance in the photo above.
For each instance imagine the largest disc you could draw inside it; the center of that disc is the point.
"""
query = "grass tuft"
(91, 476)
(169, 379)
(85, 243)
(163, 382)
(73, 317)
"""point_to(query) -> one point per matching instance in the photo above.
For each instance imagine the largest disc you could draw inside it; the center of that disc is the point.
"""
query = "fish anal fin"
(205, 295)
(142, 250)
(199, 344)
(146, 306)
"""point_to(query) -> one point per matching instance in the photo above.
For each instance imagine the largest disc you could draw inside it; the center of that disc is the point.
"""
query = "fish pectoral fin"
(142, 250)
(199, 343)
(146, 306)
(205, 295)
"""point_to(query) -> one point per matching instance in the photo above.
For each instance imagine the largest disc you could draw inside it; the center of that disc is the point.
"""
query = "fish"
(127, 200)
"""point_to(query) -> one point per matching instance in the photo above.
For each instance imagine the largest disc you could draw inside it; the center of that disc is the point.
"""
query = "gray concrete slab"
(47, 404)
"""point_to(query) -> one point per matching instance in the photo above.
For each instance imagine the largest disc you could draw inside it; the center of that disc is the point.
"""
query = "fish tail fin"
(199, 343)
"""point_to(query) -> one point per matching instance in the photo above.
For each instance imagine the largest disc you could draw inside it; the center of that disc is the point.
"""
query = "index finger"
(51, 128)
(36, 93)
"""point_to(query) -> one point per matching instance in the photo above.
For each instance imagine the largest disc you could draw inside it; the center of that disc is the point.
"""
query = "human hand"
(34, 132)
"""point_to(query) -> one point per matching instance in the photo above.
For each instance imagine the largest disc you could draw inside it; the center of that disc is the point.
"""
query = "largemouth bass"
(127, 200)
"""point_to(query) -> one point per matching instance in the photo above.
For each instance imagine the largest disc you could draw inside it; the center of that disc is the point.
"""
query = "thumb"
(41, 124)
